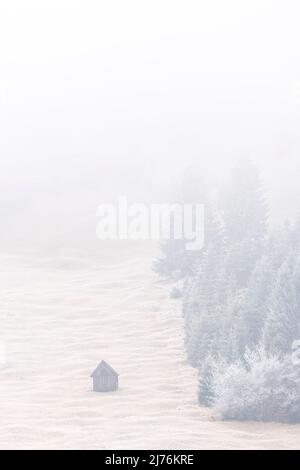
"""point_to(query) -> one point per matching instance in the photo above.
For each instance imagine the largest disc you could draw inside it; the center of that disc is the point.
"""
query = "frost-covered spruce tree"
(244, 212)
(175, 261)
(206, 395)
(254, 309)
(260, 286)
(283, 320)
(243, 316)
(202, 305)
(219, 297)
(232, 332)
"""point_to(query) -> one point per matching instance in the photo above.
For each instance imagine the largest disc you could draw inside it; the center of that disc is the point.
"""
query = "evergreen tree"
(175, 261)
(204, 297)
(241, 305)
(261, 284)
(283, 321)
(205, 385)
(244, 205)
(244, 212)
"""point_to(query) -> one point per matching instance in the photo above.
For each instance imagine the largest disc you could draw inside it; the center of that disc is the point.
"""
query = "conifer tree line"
(241, 303)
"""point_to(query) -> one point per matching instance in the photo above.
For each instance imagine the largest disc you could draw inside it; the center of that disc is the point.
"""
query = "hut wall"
(105, 383)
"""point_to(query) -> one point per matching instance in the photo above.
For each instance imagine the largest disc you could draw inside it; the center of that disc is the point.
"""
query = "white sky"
(103, 92)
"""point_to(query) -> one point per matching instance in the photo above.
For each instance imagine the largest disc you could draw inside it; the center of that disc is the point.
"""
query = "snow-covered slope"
(59, 322)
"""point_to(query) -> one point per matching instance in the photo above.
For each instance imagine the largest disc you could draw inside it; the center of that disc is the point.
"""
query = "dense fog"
(192, 103)
(99, 99)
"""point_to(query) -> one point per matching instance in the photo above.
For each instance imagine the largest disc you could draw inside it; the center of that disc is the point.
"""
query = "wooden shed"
(105, 378)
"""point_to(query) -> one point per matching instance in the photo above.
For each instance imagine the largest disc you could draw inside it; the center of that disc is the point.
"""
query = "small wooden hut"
(105, 378)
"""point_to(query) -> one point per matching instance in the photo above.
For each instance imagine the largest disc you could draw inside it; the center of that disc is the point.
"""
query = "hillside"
(59, 321)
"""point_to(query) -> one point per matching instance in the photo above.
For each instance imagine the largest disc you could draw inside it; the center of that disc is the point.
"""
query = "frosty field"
(59, 320)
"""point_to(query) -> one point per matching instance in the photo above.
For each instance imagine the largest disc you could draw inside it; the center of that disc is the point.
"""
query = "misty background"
(99, 99)
(162, 101)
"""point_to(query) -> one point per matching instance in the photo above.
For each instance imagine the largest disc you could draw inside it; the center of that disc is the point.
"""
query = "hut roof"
(104, 369)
